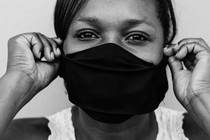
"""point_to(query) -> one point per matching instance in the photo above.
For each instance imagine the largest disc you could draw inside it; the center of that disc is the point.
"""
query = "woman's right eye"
(87, 35)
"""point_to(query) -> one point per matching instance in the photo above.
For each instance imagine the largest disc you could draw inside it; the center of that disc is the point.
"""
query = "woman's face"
(132, 24)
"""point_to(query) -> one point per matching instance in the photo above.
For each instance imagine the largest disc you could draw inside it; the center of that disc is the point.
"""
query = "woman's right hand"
(25, 53)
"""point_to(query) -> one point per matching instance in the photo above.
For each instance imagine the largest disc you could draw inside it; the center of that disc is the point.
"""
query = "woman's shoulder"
(183, 123)
(41, 128)
(192, 130)
(28, 128)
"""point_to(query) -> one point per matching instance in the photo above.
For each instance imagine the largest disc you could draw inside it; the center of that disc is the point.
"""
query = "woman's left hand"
(189, 61)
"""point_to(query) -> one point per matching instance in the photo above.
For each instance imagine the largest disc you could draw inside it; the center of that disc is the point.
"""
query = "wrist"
(13, 85)
(199, 108)
(14, 88)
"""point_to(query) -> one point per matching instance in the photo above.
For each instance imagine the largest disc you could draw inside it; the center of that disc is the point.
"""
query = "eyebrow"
(131, 23)
(127, 24)
(95, 22)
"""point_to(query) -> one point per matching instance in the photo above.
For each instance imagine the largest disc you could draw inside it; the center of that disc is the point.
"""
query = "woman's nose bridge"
(113, 37)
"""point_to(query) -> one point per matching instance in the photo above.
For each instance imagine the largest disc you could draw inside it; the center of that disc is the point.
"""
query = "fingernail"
(177, 55)
(52, 55)
(170, 46)
(58, 51)
(174, 45)
(58, 40)
(176, 48)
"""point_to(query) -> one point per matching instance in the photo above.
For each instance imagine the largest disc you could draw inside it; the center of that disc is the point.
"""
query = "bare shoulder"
(27, 129)
(192, 130)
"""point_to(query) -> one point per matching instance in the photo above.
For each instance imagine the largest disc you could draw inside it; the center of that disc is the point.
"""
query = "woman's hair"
(65, 11)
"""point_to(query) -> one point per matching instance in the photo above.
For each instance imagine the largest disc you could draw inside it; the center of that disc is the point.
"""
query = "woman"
(112, 57)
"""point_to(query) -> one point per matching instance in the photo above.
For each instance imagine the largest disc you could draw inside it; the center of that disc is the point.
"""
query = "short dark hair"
(65, 11)
(167, 18)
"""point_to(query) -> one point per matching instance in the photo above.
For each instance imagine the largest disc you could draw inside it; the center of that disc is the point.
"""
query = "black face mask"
(111, 84)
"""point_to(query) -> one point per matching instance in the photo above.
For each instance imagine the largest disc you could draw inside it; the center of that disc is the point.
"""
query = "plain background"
(20, 16)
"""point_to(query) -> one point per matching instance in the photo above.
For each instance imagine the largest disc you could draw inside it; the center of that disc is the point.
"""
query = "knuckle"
(200, 39)
(35, 35)
(15, 40)
(40, 35)
(196, 43)
(10, 41)
(183, 41)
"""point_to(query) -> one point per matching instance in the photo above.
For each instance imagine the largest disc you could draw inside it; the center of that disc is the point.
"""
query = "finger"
(183, 51)
(58, 40)
(189, 65)
(55, 47)
(169, 51)
(175, 65)
(35, 44)
(60, 44)
(195, 48)
(195, 40)
(47, 48)
(189, 41)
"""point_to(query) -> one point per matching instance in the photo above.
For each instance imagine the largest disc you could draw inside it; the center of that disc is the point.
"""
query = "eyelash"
(81, 35)
(141, 38)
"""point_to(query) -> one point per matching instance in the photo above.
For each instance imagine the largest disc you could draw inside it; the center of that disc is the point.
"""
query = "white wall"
(19, 16)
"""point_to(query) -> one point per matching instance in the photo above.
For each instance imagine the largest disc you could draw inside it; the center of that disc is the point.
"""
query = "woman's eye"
(137, 38)
(87, 35)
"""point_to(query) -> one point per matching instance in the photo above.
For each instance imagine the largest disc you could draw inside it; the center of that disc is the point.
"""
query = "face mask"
(111, 84)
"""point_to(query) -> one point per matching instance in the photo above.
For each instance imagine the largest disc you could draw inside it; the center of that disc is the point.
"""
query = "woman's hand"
(26, 73)
(189, 61)
(25, 53)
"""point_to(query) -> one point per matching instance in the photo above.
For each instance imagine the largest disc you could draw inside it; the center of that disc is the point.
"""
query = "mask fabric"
(111, 84)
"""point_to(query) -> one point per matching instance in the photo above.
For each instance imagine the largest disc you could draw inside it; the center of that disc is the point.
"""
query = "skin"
(27, 73)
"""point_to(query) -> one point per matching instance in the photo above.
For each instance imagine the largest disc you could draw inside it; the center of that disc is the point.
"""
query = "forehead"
(138, 9)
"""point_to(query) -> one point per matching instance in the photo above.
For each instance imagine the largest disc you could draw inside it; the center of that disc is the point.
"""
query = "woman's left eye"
(137, 38)
(87, 35)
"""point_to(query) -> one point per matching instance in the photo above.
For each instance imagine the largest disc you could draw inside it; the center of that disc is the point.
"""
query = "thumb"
(175, 66)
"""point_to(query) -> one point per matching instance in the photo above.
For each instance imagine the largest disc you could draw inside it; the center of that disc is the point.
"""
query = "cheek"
(71, 45)
(152, 53)
(67, 46)
(156, 54)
